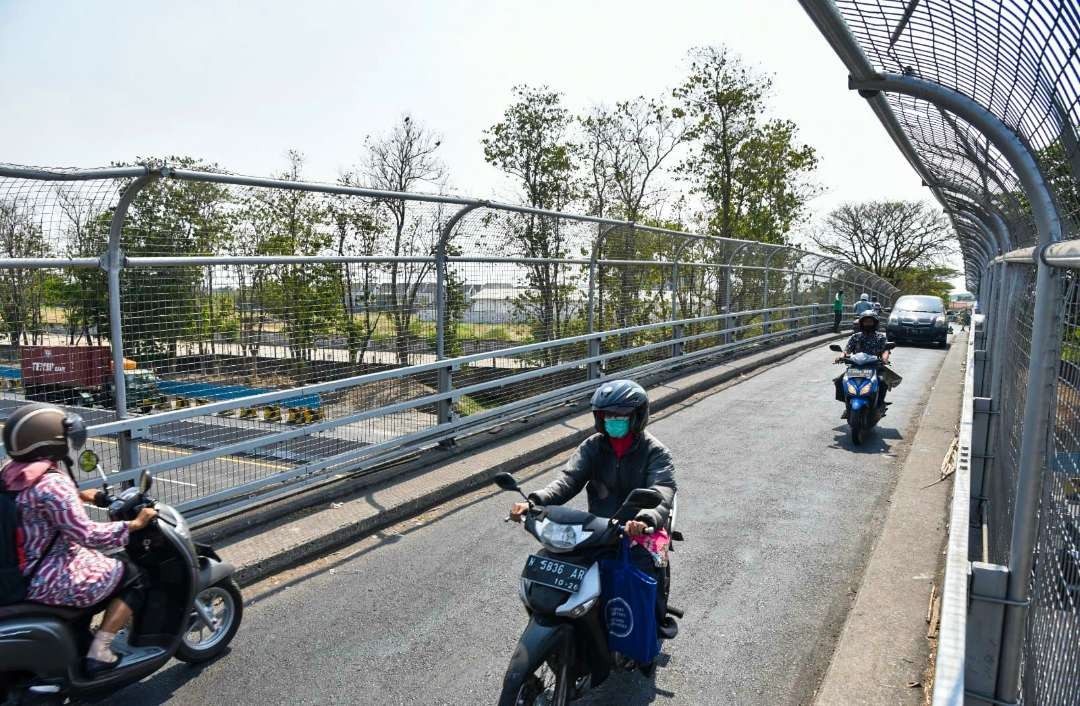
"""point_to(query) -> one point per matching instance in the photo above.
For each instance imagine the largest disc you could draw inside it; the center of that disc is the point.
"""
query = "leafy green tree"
(532, 144)
(83, 293)
(1062, 168)
(22, 290)
(750, 171)
(456, 304)
(932, 279)
(303, 297)
(163, 306)
(624, 151)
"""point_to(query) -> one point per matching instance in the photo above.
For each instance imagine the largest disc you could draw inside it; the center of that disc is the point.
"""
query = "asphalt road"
(779, 511)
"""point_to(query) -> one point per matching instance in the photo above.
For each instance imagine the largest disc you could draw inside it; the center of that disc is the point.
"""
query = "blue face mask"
(617, 427)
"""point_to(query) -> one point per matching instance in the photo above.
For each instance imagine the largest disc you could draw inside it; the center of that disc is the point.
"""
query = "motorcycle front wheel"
(856, 424)
(551, 683)
(213, 624)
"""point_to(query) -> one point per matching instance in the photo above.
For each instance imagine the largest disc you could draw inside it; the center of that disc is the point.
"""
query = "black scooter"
(564, 647)
(192, 611)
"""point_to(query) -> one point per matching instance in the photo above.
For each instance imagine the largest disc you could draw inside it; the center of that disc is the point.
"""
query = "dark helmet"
(621, 397)
(43, 431)
(868, 314)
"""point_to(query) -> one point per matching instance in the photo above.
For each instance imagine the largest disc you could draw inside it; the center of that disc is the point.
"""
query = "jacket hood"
(17, 475)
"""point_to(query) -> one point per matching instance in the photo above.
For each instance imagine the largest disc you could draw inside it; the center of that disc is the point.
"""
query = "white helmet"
(864, 297)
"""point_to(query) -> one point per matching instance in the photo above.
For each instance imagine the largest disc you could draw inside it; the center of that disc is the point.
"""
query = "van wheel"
(223, 605)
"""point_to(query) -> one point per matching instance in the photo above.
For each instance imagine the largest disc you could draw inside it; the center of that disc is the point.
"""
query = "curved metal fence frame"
(983, 100)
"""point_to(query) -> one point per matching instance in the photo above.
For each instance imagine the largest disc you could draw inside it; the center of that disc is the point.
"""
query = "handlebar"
(622, 528)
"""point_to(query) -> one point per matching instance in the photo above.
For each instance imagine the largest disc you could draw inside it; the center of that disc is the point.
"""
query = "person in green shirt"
(838, 310)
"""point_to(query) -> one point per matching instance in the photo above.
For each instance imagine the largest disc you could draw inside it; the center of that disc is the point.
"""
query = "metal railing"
(243, 337)
(983, 99)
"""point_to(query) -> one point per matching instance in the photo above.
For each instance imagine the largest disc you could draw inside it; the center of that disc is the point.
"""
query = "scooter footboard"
(538, 640)
(42, 646)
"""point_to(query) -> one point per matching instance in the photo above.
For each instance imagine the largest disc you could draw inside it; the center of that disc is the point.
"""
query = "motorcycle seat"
(40, 610)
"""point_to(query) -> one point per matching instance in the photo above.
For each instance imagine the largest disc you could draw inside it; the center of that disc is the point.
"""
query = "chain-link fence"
(983, 99)
(240, 336)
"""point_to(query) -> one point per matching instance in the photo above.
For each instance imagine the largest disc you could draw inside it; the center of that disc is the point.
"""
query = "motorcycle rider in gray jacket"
(618, 459)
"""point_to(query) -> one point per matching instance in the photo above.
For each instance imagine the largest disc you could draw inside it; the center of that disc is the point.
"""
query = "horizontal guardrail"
(142, 425)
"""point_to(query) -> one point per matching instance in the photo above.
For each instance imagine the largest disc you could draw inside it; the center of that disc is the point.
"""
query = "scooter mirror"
(836, 347)
(506, 482)
(88, 461)
(145, 481)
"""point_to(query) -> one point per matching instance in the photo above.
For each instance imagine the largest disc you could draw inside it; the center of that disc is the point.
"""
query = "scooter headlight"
(866, 388)
(559, 536)
(851, 388)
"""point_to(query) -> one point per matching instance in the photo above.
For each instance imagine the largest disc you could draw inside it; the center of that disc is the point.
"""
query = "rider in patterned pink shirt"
(72, 573)
(60, 556)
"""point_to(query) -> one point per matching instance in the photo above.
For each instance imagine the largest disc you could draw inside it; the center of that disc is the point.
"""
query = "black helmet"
(621, 397)
(868, 314)
(43, 431)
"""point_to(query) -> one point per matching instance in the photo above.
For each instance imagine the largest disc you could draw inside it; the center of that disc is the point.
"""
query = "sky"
(238, 83)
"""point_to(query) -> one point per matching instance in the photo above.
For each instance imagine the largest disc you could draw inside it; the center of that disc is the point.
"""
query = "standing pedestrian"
(838, 310)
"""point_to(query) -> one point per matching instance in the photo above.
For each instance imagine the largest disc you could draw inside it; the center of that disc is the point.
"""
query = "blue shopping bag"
(629, 596)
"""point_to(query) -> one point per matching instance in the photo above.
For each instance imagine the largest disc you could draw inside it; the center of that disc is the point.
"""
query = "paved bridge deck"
(779, 511)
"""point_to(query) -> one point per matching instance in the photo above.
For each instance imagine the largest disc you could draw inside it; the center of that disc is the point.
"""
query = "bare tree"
(357, 231)
(625, 148)
(888, 238)
(400, 161)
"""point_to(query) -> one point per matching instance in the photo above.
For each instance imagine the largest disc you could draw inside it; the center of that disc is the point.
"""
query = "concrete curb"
(270, 542)
(882, 654)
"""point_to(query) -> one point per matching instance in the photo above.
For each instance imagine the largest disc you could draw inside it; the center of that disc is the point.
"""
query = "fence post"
(986, 612)
(112, 262)
(445, 407)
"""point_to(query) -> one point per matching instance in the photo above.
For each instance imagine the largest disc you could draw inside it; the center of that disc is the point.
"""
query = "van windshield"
(930, 305)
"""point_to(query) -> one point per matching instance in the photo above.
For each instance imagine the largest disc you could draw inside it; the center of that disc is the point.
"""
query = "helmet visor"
(75, 430)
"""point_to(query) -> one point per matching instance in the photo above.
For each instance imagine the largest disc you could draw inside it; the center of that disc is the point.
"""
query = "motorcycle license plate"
(860, 373)
(554, 573)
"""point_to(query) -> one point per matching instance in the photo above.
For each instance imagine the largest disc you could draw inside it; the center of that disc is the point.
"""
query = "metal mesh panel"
(54, 321)
(1051, 671)
(1018, 59)
(1015, 347)
(276, 331)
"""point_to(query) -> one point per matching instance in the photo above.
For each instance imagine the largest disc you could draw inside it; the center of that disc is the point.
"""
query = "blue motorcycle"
(861, 384)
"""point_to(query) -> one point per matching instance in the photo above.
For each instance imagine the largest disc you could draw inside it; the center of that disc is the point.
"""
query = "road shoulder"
(883, 650)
